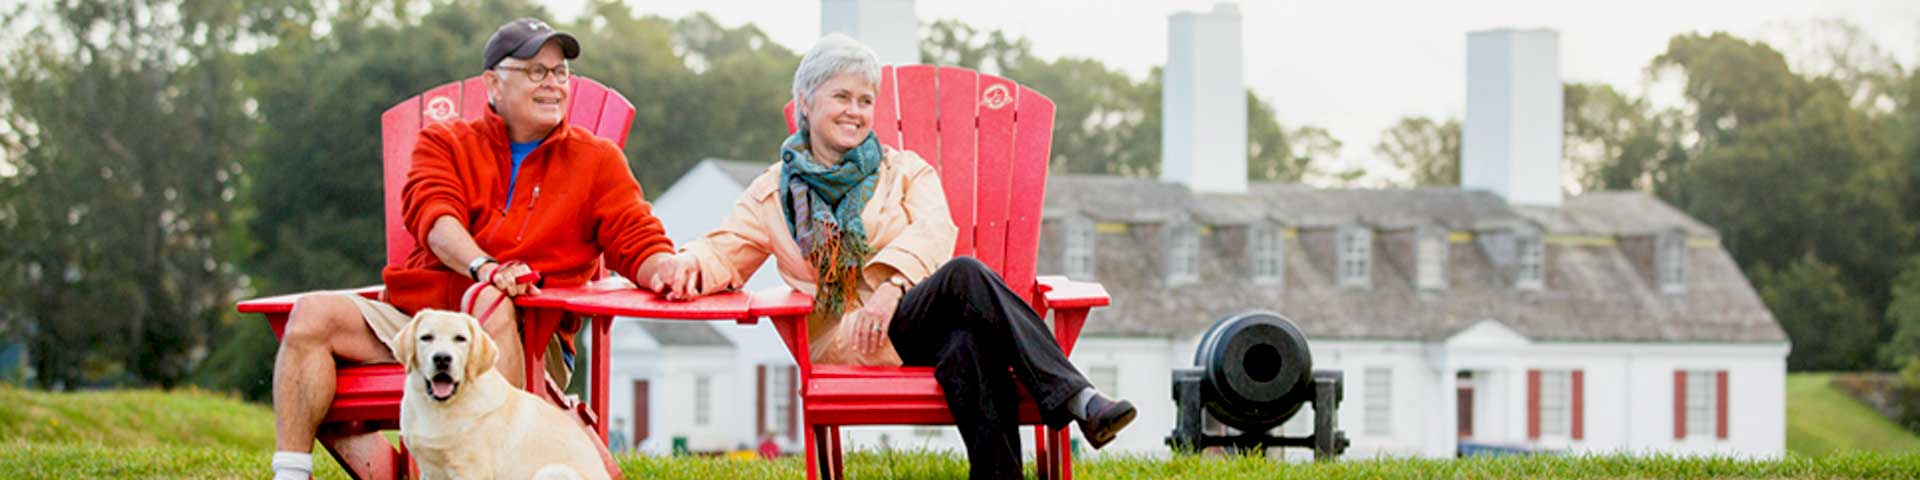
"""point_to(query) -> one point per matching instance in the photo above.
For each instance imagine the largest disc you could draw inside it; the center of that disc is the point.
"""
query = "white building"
(717, 384)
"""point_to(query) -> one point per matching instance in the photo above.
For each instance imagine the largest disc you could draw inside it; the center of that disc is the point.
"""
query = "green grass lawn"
(191, 434)
(1823, 420)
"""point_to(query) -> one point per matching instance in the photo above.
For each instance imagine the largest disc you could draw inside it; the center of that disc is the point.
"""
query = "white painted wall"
(1622, 381)
(889, 27)
(1511, 140)
(671, 374)
(1204, 102)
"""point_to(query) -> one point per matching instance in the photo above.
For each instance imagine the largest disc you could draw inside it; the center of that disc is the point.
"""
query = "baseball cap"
(523, 38)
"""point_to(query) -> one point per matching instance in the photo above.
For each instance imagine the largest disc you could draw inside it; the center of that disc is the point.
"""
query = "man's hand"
(674, 275)
(502, 276)
(871, 321)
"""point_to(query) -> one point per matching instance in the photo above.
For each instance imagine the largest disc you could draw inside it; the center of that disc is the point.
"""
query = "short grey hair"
(835, 54)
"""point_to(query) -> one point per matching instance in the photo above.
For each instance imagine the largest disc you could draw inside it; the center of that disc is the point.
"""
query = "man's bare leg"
(322, 329)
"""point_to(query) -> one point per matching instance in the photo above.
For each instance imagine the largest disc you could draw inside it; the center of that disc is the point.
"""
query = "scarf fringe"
(838, 258)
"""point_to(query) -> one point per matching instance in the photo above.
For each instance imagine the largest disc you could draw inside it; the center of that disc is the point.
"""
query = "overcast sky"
(1357, 66)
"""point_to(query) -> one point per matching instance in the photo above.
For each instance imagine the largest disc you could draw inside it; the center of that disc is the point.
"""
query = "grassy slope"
(1822, 420)
(135, 434)
(187, 434)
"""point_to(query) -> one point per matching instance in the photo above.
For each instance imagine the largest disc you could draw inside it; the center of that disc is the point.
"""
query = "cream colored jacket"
(907, 225)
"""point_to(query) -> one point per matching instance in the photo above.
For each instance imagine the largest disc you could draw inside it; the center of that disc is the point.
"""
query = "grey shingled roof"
(684, 333)
(740, 171)
(1594, 291)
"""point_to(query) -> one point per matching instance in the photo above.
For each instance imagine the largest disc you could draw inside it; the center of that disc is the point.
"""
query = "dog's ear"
(481, 351)
(403, 341)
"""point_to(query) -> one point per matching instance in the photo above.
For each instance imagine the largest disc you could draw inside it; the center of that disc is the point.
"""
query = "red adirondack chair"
(367, 397)
(990, 140)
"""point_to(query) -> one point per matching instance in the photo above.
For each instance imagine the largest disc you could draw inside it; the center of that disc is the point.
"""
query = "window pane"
(1379, 392)
(1555, 403)
(1432, 256)
(702, 396)
(1701, 392)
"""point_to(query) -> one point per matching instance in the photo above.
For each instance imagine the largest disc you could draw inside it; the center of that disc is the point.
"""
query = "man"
(515, 191)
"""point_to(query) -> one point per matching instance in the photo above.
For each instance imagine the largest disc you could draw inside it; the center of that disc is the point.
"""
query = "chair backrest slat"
(616, 118)
(1032, 147)
(592, 106)
(991, 188)
(473, 103)
(916, 95)
(958, 142)
(587, 99)
(886, 111)
(399, 131)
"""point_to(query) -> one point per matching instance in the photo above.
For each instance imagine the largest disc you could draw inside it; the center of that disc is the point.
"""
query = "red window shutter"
(1579, 405)
(793, 403)
(1533, 404)
(1679, 404)
(1720, 411)
(760, 400)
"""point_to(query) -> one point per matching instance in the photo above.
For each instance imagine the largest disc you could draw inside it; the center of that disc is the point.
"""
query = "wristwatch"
(473, 266)
(899, 281)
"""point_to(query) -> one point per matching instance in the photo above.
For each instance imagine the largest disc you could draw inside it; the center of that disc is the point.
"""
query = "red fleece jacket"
(575, 200)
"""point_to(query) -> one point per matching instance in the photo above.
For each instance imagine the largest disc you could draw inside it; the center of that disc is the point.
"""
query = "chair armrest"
(1070, 301)
(282, 304)
(1059, 293)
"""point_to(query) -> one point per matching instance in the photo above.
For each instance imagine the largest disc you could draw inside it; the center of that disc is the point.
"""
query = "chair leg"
(839, 457)
(1065, 442)
(363, 454)
(819, 453)
(813, 455)
(1042, 453)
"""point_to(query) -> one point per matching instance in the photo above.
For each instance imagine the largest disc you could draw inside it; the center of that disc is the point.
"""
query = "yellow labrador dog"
(462, 420)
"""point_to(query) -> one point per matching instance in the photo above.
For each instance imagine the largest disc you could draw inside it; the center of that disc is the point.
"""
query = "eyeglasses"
(538, 73)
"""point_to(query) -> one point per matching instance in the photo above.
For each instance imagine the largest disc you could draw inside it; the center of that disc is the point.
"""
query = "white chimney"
(887, 26)
(1203, 116)
(1510, 143)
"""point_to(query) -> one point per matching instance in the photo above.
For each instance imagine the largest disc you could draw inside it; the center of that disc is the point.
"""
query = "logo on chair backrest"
(440, 109)
(996, 96)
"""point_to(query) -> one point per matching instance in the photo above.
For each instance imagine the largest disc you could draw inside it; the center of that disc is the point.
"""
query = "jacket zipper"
(517, 237)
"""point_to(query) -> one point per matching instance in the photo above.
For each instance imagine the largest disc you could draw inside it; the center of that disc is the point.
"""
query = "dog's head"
(444, 349)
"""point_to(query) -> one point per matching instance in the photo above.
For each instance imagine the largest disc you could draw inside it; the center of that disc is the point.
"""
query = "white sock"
(292, 465)
(1078, 406)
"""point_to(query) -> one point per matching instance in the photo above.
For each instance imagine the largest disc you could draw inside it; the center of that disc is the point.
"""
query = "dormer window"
(1355, 257)
(1671, 262)
(1530, 262)
(1430, 253)
(1265, 254)
(1077, 260)
(1183, 254)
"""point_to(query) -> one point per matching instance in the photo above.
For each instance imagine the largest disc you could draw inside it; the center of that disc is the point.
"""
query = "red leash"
(525, 279)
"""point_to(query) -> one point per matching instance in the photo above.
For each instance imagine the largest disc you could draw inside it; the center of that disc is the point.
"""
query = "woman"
(865, 229)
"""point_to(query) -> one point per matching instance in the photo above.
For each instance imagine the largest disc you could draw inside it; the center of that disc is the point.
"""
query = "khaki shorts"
(386, 322)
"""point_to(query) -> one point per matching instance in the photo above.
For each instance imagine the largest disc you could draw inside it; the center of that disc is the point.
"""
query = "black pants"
(965, 323)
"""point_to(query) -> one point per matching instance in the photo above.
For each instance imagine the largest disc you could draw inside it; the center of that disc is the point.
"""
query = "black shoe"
(1105, 418)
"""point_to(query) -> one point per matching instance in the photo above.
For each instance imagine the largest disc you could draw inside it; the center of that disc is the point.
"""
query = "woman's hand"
(502, 276)
(871, 321)
(679, 278)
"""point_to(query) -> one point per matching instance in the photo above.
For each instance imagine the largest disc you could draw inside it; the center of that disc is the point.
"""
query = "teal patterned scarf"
(823, 206)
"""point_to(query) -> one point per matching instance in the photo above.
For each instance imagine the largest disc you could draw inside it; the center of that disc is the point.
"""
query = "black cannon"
(1255, 373)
